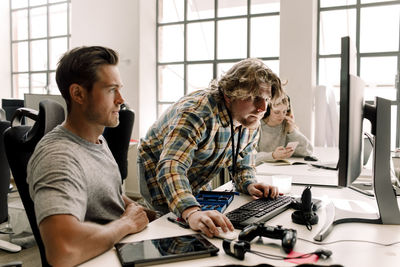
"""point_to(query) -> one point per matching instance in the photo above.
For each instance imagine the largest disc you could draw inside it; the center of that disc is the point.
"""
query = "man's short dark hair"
(80, 66)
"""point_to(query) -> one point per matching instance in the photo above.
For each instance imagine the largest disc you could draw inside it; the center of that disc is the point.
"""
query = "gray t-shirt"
(69, 175)
(272, 137)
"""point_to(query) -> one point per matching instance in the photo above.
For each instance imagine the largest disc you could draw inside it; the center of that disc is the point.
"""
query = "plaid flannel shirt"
(188, 146)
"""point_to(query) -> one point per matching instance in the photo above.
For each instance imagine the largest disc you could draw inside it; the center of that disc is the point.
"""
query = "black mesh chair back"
(4, 174)
(20, 142)
(118, 139)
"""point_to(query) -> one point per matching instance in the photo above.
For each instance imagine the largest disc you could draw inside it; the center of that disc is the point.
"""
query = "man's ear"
(227, 99)
(77, 93)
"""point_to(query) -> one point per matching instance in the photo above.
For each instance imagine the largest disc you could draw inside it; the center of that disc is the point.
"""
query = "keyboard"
(258, 211)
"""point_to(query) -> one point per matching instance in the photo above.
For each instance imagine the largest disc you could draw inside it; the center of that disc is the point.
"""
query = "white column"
(5, 55)
(298, 25)
(114, 24)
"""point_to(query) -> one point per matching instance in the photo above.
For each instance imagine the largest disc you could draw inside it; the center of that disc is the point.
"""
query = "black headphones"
(306, 215)
(268, 111)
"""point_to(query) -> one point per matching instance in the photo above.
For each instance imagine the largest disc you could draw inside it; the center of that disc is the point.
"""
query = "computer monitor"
(353, 110)
(10, 106)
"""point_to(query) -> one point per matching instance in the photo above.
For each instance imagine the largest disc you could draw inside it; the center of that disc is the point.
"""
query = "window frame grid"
(357, 6)
(215, 61)
(29, 40)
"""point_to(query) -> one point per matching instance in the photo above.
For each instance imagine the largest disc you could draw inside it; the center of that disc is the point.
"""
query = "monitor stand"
(388, 207)
(367, 188)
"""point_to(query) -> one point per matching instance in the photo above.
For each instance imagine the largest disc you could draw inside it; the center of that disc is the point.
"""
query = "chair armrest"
(23, 112)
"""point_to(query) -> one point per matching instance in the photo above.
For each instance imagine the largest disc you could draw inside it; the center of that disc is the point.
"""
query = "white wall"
(5, 57)
(128, 26)
(147, 65)
(298, 58)
(114, 24)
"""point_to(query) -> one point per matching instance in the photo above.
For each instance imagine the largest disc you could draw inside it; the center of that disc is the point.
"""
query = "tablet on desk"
(163, 250)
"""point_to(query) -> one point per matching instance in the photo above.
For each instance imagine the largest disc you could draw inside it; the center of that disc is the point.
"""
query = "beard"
(250, 122)
(101, 117)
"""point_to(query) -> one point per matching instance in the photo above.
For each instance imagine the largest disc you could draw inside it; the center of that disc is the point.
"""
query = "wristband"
(189, 214)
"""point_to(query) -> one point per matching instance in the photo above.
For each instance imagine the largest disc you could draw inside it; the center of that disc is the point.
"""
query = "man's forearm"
(69, 242)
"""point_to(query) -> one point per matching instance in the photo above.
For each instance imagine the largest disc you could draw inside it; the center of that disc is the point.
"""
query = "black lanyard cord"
(235, 153)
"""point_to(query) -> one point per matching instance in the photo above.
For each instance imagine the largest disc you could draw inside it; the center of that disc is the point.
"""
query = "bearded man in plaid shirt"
(201, 135)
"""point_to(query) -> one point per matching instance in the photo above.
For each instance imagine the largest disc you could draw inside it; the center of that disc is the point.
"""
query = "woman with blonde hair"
(278, 128)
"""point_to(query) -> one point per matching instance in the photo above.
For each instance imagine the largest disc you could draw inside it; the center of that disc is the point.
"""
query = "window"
(40, 34)
(374, 27)
(198, 40)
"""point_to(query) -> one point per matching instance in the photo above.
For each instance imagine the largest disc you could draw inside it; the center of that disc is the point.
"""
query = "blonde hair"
(282, 100)
(244, 79)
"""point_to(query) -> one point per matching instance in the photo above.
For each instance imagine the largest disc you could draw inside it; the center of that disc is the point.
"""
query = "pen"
(181, 224)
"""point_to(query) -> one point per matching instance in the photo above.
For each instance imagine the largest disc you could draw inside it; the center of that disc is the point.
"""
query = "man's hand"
(137, 217)
(282, 153)
(207, 222)
(259, 190)
(151, 214)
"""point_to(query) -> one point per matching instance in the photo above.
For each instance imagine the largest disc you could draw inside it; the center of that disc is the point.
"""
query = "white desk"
(349, 254)
(306, 174)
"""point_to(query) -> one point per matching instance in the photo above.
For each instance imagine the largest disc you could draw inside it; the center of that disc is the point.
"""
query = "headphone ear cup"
(313, 218)
(297, 217)
(300, 217)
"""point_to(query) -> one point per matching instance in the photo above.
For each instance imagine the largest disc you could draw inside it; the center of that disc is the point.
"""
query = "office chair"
(4, 174)
(12, 264)
(118, 139)
(20, 142)
(3, 115)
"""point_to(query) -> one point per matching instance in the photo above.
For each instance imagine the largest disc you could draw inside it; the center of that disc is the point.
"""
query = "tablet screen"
(156, 251)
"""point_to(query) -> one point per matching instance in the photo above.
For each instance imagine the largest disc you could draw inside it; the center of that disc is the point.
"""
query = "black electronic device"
(163, 250)
(288, 236)
(215, 200)
(323, 253)
(10, 106)
(258, 211)
(310, 158)
(236, 249)
(353, 110)
(297, 204)
(306, 215)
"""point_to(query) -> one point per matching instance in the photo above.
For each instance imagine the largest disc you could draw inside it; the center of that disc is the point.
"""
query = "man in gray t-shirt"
(76, 177)
(73, 178)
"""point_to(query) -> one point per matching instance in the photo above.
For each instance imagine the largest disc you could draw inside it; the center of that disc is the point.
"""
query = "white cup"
(283, 182)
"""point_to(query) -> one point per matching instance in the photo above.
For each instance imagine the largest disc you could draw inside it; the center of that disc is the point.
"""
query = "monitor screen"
(351, 117)
(351, 132)
(10, 106)
(352, 113)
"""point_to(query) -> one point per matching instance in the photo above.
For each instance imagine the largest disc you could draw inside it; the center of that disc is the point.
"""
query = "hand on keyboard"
(207, 222)
(259, 190)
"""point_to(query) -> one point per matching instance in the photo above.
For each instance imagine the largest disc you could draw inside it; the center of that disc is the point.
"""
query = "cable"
(370, 138)
(238, 249)
(278, 257)
(349, 240)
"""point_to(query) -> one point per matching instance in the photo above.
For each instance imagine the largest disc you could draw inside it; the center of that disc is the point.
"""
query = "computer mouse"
(310, 158)
(226, 235)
